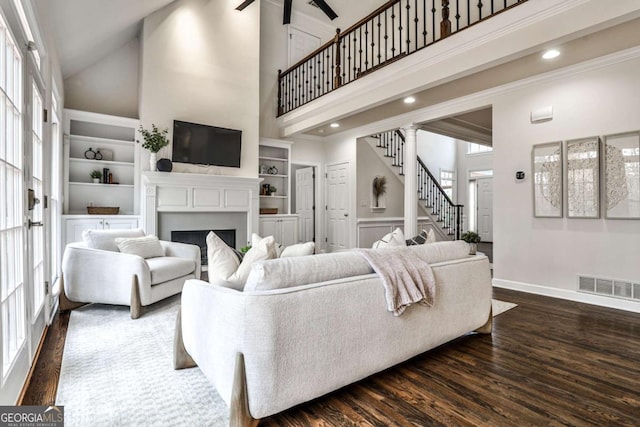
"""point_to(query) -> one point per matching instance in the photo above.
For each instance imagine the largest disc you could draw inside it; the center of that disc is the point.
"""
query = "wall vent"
(609, 287)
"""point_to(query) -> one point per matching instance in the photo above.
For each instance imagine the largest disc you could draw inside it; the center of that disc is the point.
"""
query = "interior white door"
(301, 44)
(337, 207)
(485, 209)
(305, 204)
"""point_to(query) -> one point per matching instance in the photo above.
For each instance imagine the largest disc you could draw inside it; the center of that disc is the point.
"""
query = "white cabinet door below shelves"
(285, 230)
(269, 227)
(74, 227)
(289, 231)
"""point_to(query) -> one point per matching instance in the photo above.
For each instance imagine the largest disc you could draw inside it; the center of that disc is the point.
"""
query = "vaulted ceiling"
(85, 31)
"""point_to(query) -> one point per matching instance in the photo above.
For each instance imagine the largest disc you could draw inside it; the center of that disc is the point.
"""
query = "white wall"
(200, 63)
(109, 86)
(368, 166)
(551, 252)
(437, 151)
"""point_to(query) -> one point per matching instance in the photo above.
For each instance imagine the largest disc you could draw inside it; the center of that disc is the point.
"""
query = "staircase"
(439, 206)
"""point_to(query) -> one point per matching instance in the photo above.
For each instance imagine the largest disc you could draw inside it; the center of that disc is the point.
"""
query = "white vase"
(153, 161)
(473, 248)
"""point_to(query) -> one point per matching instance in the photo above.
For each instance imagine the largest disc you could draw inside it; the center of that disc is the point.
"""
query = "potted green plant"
(95, 175)
(272, 190)
(154, 140)
(472, 238)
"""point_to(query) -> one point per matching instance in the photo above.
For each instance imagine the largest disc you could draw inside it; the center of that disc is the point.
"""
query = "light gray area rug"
(499, 307)
(119, 372)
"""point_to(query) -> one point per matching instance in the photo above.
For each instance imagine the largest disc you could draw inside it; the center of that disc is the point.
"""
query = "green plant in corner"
(154, 139)
(95, 174)
(471, 237)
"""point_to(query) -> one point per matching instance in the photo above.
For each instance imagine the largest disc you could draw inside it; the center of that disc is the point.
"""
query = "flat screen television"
(206, 145)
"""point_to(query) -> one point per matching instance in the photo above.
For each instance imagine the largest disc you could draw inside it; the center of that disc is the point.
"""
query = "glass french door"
(13, 309)
(36, 222)
(23, 265)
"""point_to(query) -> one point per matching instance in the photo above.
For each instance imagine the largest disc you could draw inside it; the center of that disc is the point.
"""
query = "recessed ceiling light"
(409, 100)
(550, 54)
(335, 125)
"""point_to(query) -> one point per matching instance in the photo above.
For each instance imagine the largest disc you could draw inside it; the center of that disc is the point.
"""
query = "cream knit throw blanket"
(407, 278)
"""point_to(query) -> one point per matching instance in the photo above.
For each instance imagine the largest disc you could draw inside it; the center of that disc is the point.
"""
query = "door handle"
(346, 214)
(35, 224)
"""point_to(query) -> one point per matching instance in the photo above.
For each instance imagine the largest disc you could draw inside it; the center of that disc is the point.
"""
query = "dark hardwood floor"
(548, 362)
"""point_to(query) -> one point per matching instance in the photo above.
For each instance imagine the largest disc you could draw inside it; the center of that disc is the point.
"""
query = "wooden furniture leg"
(65, 303)
(181, 359)
(487, 327)
(239, 415)
(136, 305)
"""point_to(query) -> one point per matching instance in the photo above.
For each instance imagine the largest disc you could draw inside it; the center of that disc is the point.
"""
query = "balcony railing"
(395, 30)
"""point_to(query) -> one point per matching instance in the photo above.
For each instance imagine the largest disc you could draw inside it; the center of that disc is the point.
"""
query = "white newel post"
(411, 181)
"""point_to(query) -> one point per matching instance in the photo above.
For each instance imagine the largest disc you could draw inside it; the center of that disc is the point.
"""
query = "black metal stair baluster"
(433, 20)
(468, 12)
(480, 9)
(457, 15)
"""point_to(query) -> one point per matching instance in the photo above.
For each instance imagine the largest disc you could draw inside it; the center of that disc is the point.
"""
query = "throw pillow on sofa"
(145, 247)
(106, 239)
(300, 249)
(255, 239)
(423, 238)
(224, 264)
(395, 238)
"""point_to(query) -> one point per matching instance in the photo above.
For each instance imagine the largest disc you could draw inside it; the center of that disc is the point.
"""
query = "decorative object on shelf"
(95, 175)
(98, 155)
(105, 176)
(272, 190)
(268, 211)
(90, 154)
(472, 238)
(103, 210)
(546, 162)
(265, 189)
(273, 170)
(622, 175)
(164, 165)
(583, 178)
(264, 169)
(154, 141)
(379, 188)
(107, 154)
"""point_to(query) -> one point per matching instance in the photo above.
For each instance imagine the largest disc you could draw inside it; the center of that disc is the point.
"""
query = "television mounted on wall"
(206, 145)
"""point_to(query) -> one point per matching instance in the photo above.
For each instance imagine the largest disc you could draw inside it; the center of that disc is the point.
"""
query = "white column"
(410, 181)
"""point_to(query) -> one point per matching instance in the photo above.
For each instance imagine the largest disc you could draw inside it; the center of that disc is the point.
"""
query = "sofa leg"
(239, 413)
(65, 303)
(181, 359)
(487, 327)
(136, 305)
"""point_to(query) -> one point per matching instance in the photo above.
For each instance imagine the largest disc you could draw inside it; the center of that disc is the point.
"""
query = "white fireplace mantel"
(188, 192)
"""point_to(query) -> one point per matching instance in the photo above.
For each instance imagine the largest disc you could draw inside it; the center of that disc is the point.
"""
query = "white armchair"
(102, 274)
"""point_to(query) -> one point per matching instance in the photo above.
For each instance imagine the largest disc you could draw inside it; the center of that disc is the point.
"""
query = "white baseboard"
(620, 304)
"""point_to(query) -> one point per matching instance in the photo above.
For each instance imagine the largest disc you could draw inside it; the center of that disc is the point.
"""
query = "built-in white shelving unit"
(114, 138)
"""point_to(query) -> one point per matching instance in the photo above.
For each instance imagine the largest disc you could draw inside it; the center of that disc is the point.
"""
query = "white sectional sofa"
(303, 327)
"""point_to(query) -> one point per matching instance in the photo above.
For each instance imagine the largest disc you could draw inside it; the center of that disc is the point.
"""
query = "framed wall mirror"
(622, 176)
(546, 163)
(583, 178)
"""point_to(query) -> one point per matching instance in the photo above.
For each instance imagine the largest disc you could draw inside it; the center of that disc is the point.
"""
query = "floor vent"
(609, 287)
